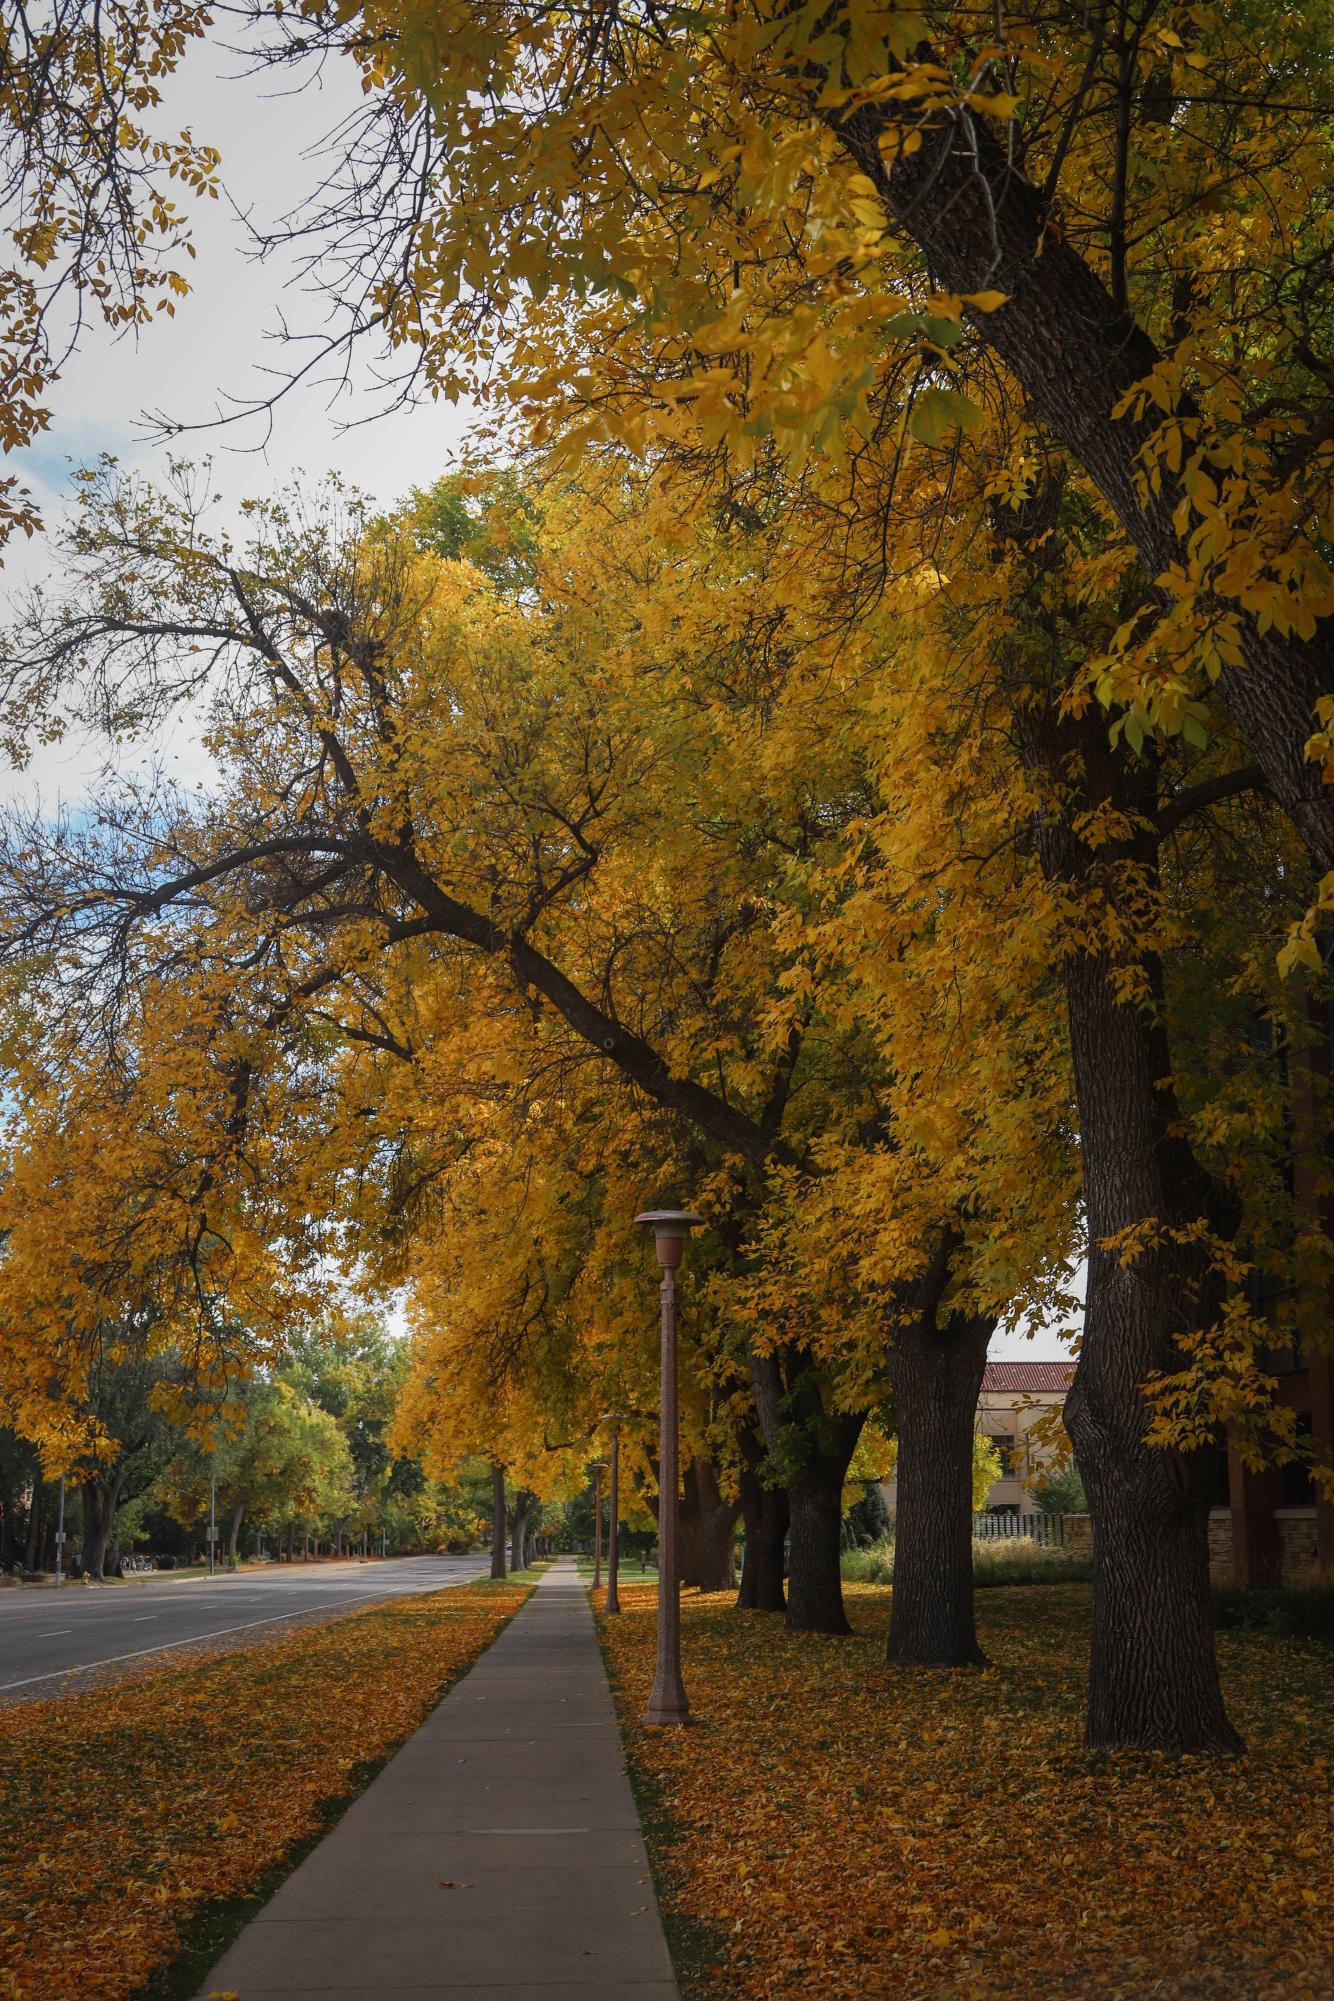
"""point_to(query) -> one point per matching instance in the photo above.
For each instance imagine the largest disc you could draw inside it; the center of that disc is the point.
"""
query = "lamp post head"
(670, 1229)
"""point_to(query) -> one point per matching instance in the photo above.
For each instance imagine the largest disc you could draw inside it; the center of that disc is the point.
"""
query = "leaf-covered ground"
(830, 1828)
(123, 1812)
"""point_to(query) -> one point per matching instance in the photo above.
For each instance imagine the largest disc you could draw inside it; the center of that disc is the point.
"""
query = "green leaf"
(939, 410)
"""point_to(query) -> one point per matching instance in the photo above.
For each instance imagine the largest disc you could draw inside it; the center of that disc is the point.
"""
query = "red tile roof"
(1027, 1378)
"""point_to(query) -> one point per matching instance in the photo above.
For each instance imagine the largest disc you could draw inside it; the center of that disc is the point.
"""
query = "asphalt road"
(45, 1634)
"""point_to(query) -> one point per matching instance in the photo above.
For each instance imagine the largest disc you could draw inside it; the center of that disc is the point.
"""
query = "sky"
(218, 346)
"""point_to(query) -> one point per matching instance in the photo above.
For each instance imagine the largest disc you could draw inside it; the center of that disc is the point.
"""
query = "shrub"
(1018, 1560)
(1062, 1493)
(867, 1521)
(1304, 1612)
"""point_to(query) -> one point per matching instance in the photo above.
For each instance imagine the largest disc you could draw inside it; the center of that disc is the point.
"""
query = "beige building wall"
(1008, 1419)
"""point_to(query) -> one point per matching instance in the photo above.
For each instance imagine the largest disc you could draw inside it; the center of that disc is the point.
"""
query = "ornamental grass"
(129, 1810)
(830, 1828)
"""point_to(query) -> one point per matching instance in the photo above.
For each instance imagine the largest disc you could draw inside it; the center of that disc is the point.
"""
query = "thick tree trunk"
(765, 1512)
(788, 1398)
(1153, 1673)
(1074, 353)
(937, 1373)
(234, 1533)
(707, 1529)
(815, 1574)
(99, 1519)
(497, 1520)
(524, 1506)
(687, 1538)
(1153, 1678)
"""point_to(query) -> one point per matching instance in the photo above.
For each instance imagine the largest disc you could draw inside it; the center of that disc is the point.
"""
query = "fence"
(1004, 1526)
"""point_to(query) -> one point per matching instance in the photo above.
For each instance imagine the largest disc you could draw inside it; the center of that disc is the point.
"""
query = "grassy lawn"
(139, 1821)
(831, 1828)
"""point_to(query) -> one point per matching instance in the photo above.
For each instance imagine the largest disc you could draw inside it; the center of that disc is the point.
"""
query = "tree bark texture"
(100, 1499)
(1074, 353)
(764, 1510)
(524, 1505)
(707, 1529)
(234, 1533)
(937, 1373)
(814, 1446)
(1153, 1676)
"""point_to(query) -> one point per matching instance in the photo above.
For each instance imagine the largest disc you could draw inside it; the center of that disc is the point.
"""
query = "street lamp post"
(60, 1537)
(613, 1603)
(667, 1703)
(597, 1526)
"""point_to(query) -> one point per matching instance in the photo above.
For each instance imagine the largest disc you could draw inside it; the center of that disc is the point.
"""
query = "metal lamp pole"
(598, 1470)
(613, 1603)
(667, 1703)
(60, 1537)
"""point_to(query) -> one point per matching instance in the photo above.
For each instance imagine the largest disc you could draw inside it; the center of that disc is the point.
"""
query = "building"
(1016, 1397)
(1273, 1527)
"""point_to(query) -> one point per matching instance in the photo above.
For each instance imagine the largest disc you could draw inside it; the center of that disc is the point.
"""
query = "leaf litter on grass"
(857, 1833)
(124, 1811)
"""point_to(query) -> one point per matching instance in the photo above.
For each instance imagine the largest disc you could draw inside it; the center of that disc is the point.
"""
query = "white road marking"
(55, 1632)
(219, 1632)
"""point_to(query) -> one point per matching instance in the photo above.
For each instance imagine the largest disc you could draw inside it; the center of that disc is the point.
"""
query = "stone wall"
(1222, 1569)
(1079, 1534)
(1298, 1551)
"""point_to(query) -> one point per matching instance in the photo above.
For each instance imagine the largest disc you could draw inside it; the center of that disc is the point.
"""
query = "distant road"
(45, 1634)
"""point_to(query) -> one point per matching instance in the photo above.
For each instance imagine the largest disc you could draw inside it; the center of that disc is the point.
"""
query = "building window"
(1004, 1445)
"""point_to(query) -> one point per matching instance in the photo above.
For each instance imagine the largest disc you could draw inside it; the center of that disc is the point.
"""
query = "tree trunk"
(497, 1520)
(1153, 1675)
(1075, 353)
(99, 1518)
(707, 1528)
(820, 1445)
(937, 1373)
(815, 1579)
(687, 1534)
(524, 1506)
(234, 1533)
(765, 1512)
(802, 1432)
(1153, 1672)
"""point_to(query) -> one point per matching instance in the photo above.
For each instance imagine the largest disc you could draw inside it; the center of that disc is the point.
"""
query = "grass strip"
(871, 1835)
(1015, 1560)
(141, 1825)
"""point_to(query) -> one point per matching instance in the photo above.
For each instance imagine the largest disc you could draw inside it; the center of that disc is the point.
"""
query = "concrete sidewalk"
(498, 1854)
